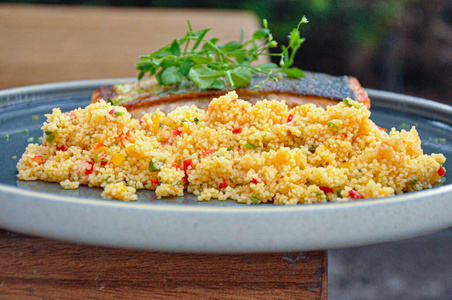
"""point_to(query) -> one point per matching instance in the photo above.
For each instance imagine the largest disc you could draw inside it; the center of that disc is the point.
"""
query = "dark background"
(403, 46)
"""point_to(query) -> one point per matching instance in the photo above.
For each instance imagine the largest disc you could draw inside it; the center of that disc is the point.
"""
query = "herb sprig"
(210, 65)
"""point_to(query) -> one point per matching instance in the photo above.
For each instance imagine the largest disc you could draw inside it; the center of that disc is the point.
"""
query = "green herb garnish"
(49, 136)
(210, 65)
(196, 120)
(347, 102)
(413, 182)
(333, 126)
(156, 167)
(255, 200)
(110, 101)
(250, 146)
(338, 193)
(119, 113)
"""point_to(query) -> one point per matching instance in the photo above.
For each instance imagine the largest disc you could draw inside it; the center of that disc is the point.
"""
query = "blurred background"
(403, 46)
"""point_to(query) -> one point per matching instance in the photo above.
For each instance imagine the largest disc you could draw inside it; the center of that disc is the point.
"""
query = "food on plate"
(209, 69)
(232, 149)
(146, 95)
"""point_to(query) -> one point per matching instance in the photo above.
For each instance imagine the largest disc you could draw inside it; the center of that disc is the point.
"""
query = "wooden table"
(59, 43)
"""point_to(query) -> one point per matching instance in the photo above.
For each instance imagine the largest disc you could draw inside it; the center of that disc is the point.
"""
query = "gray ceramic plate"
(183, 224)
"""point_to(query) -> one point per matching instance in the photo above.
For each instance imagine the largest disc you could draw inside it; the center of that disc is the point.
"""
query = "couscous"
(232, 150)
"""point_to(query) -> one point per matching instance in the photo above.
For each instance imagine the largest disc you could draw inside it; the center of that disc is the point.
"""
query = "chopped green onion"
(333, 126)
(7, 137)
(413, 182)
(196, 120)
(338, 193)
(35, 117)
(347, 102)
(174, 182)
(250, 146)
(110, 101)
(155, 167)
(183, 120)
(229, 148)
(255, 200)
(50, 136)
(119, 113)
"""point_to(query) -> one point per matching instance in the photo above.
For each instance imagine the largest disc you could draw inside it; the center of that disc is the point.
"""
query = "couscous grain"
(232, 150)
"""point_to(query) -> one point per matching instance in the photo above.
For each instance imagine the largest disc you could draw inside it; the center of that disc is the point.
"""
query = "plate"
(182, 224)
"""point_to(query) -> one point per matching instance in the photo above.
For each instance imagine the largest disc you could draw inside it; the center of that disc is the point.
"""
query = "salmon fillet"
(146, 95)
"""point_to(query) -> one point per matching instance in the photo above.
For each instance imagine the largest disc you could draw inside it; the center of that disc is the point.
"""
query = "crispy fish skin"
(320, 89)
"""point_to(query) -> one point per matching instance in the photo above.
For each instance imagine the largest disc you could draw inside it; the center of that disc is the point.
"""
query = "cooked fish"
(146, 95)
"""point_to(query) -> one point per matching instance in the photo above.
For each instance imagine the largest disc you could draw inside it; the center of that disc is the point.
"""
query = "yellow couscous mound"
(232, 150)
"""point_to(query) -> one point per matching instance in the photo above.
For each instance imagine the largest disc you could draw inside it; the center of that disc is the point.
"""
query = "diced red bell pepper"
(90, 168)
(255, 181)
(236, 130)
(154, 181)
(61, 148)
(441, 171)
(112, 111)
(383, 129)
(354, 194)
(103, 159)
(187, 164)
(326, 189)
(207, 152)
(176, 166)
(234, 101)
(38, 158)
(289, 118)
(223, 185)
(177, 132)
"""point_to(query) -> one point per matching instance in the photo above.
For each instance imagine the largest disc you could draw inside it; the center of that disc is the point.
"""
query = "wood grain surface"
(51, 43)
(37, 268)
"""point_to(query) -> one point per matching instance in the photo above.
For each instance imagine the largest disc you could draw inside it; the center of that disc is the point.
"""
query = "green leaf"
(294, 72)
(200, 35)
(267, 66)
(199, 60)
(202, 76)
(241, 76)
(218, 84)
(175, 49)
(261, 34)
(171, 75)
(231, 46)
